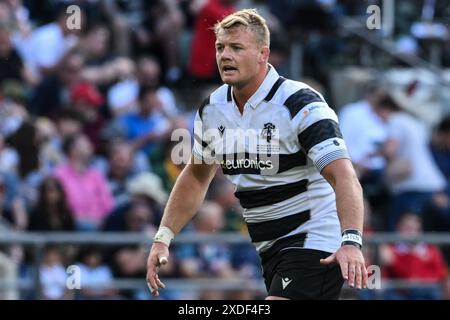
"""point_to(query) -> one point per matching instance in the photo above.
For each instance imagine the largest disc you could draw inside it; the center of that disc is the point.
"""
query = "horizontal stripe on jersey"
(268, 196)
(268, 230)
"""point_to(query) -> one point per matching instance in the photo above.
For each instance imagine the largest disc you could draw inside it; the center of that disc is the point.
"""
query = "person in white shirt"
(123, 96)
(364, 132)
(54, 40)
(412, 174)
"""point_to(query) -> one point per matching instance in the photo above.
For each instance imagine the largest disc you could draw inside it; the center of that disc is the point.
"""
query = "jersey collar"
(270, 79)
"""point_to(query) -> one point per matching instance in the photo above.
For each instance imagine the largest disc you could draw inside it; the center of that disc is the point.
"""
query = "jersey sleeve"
(203, 148)
(319, 134)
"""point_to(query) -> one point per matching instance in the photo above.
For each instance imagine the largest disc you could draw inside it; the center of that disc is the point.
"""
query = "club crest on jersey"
(267, 131)
(221, 130)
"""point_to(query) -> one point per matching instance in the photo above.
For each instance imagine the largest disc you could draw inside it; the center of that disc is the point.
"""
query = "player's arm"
(320, 137)
(349, 197)
(184, 201)
(349, 202)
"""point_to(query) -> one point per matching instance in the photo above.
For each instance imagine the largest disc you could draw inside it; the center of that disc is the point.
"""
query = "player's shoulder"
(219, 96)
(295, 95)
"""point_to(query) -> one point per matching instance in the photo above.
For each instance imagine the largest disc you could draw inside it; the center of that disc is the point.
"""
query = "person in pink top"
(87, 190)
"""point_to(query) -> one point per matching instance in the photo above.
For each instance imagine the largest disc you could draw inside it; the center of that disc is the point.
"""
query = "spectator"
(52, 274)
(439, 209)
(412, 175)
(24, 141)
(38, 152)
(52, 212)
(96, 45)
(149, 73)
(146, 189)
(48, 139)
(129, 261)
(69, 123)
(12, 210)
(149, 185)
(139, 218)
(414, 262)
(11, 65)
(87, 190)
(140, 215)
(167, 26)
(123, 96)
(96, 277)
(280, 51)
(440, 147)
(122, 166)
(51, 95)
(12, 108)
(364, 133)
(147, 128)
(154, 25)
(9, 159)
(16, 16)
(206, 259)
(124, 20)
(106, 74)
(54, 40)
(86, 100)
(202, 61)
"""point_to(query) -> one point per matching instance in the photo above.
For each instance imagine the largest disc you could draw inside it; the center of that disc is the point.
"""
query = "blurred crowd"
(403, 168)
(86, 116)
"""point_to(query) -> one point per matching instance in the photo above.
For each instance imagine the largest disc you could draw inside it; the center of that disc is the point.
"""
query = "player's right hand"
(353, 268)
(158, 256)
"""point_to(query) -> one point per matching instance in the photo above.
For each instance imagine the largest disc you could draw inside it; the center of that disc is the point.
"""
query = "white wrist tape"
(351, 236)
(164, 235)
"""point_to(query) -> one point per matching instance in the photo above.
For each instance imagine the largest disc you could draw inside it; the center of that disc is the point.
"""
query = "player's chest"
(254, 131)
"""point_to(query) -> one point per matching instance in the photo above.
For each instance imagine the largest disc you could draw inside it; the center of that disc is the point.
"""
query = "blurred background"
(85, 152)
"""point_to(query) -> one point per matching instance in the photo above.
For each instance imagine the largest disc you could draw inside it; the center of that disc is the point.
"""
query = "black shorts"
(297, 274)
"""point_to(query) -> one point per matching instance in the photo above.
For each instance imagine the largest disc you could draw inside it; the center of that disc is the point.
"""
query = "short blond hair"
(250, 19)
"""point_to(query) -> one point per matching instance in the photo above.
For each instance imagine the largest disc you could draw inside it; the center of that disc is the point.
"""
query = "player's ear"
(265, 51)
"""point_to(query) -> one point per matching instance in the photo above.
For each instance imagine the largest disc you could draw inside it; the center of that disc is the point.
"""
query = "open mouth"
(229, 69)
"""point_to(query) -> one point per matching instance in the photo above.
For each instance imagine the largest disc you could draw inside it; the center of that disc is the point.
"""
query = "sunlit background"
(88, 104)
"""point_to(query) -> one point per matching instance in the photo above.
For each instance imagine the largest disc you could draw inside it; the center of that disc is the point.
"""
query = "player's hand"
(351, 261)
(158, 256)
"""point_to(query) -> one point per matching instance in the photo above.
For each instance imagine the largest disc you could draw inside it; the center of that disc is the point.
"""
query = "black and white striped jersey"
(273, 153)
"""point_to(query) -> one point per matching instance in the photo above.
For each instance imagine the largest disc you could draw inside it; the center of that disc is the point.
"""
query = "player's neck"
(242, 94)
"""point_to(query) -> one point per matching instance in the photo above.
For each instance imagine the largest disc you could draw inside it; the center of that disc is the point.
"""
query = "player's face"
(238, 55)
